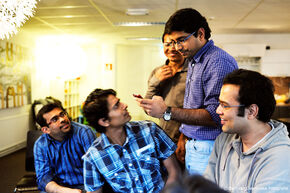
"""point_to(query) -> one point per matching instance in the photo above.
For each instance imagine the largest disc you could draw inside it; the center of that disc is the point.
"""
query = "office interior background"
(71, 47)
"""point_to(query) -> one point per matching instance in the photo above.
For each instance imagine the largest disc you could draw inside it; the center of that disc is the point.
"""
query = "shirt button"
(136, 179)
(124, 150)
(140, 191)
(116, 174)
(130, 164)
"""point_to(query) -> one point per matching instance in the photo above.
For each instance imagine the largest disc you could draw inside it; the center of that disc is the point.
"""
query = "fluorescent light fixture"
(144, 38)
(141, 11)
(138, 23)
(68, 16)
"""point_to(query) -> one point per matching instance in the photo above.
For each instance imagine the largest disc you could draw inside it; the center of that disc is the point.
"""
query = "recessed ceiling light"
(211, 18)
(137, 11)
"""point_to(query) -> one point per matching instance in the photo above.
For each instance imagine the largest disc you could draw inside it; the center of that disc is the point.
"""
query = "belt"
(188, 138)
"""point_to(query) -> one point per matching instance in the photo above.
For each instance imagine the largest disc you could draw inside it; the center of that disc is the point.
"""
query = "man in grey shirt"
(253, 152)
(168, 81)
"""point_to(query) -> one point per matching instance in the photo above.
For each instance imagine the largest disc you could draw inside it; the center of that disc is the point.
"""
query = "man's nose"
(124, 106)
(172, 47)
(61, 119)
(219, 110)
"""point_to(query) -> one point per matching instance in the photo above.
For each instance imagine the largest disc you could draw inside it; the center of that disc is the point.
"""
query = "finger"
(165, 67)
(146, 107)
(168, 72)
(138, 101)
(155, 97)
(148, 112)
(168, 76)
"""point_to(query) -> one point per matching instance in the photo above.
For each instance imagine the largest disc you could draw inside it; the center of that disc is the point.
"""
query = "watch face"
(167, 116)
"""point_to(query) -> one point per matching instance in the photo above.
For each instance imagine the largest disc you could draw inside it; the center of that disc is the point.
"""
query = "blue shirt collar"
(196, 58)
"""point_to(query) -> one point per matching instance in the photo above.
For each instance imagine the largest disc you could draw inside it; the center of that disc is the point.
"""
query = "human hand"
(164, 73)
(71, 190)
(154, 107)
(180, 151)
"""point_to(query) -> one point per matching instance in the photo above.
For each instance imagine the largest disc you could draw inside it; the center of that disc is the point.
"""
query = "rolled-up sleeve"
(217, 69)
(92, 178)
(165, 146)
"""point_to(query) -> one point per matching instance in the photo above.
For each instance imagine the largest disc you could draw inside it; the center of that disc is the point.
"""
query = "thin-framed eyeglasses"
(178, 43)
(224, 106)
(56, 117)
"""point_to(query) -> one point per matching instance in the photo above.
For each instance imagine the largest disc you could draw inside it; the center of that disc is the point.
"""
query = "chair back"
(32, 136)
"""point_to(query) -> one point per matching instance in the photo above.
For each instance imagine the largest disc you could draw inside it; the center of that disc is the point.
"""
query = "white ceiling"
(96, 18)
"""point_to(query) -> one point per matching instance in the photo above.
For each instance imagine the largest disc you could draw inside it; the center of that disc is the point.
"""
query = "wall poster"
(15, 77)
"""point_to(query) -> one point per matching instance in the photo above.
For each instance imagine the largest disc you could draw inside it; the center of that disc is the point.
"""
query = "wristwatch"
(167, 114)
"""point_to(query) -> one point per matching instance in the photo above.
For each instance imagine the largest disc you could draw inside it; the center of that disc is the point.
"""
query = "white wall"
(276, 61)
(14, 122)
(275, 41)
(96, 74)
(134, 65)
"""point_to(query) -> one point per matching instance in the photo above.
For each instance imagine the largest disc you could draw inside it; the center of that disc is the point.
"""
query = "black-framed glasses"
(180, 42)
(55, 118)
(224, 106)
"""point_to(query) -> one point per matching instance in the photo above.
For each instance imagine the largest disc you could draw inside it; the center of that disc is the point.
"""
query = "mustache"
(64, 123)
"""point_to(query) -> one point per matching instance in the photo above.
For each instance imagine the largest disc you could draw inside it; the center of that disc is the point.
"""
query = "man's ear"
(104, 122)
(201, 33)
(45, 129)
(253, 111)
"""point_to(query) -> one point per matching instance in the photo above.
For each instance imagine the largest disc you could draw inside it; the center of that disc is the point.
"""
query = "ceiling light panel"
(135, 12)
(136, 24)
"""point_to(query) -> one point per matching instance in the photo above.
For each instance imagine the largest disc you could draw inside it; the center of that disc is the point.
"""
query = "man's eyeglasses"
(178, 43)
(56, 117)
(222, 105)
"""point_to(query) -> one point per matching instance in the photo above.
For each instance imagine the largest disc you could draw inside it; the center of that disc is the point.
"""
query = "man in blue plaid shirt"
(129, 156)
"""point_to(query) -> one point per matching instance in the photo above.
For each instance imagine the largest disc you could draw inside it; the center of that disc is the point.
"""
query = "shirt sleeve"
(164, 145)
(92, 178)
(43, 170)
(87, 137)
(153, 85)
(213, 78)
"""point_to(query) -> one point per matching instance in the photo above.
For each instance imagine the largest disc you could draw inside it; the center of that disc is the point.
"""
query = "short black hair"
(45, 109)
(96, 107)
(255, 88)
(188, 20)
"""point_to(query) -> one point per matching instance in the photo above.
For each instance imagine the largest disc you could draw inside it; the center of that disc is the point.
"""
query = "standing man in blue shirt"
(208, 65)
(58, 152)
(129, 156)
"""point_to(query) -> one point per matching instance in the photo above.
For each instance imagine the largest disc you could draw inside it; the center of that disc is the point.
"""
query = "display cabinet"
(72, 98)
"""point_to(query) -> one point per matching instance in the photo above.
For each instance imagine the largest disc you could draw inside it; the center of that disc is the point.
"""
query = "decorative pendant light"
(13, 14)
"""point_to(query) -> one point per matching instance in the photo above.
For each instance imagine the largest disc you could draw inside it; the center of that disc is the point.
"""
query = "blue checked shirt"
(205, 75)
(133, 167)
(62, 161)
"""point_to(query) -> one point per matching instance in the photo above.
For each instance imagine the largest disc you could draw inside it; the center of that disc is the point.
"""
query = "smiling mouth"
(223, 121)
(183, 52)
